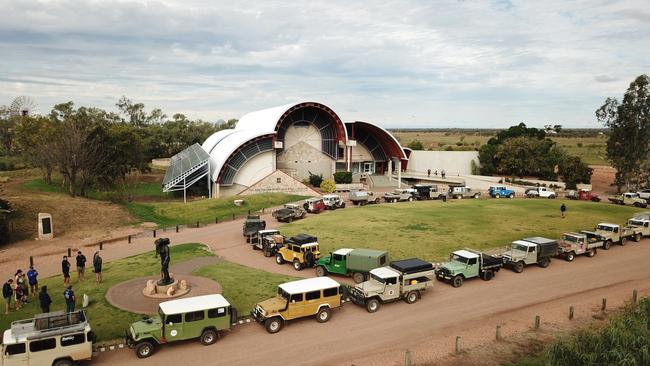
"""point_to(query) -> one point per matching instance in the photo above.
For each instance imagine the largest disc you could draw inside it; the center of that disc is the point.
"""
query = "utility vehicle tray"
(411, 265)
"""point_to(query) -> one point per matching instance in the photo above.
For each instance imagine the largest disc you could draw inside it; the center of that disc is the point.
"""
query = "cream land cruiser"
(298, 299)
(56, 339)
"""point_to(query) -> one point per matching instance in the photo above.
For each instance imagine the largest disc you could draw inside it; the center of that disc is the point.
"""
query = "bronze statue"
(162, 249)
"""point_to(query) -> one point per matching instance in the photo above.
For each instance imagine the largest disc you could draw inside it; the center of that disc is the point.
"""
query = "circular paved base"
(128, 295)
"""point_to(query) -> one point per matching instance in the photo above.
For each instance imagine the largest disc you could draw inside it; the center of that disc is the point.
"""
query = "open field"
(432, 229)
(142, 191)
(591, 149)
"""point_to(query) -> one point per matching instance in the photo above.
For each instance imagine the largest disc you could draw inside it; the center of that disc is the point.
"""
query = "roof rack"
(48, 324)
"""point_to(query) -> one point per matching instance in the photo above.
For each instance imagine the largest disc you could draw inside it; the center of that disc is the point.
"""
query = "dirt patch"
(602, 180)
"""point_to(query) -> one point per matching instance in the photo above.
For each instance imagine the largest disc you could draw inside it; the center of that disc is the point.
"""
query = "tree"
(415, 145)
(628, 147)
(135, 112)
(34, 140)
(574, 171)
(5, 216)
(488, 152)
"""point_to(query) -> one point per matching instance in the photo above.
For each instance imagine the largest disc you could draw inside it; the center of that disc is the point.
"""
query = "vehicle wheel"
(637, 237)
(358, 277)
(592, 252)
(476, 196)
(63, 363)
(570, 257)
(373, 305)
(297, 265)
(208, 337)
(623, 241)
(457, 281)
(304, 214)
(512, 195)
(144, 349)
(266, 251)
(497, 196)
(248, 240)
(459, 197)
(518, 267)
(411, 297)
(607, 244)
(290, 220)
(320, 271)
(273, 325)
(544, 262)
(342, 205)
(279, 259)
(323, 315)
(410, 199)
(487, 275)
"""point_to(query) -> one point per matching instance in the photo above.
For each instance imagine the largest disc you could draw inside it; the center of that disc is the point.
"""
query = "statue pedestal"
(170, 291)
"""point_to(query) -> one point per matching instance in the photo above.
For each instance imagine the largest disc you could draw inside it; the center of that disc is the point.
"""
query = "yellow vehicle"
(299, 299)
(301, 250)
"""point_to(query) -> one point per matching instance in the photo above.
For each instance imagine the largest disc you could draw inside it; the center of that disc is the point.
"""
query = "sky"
(418, 64)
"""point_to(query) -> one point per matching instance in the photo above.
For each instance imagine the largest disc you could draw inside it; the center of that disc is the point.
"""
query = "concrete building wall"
(453, 162)
(255, 169)
(279, 181)
(360, 153)
(302, 158)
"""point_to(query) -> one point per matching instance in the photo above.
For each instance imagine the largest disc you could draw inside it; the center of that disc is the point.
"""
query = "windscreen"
(376, 278)
(605, 228)
(519, 247)
(459, 258)
(283, 294)
(569, 238)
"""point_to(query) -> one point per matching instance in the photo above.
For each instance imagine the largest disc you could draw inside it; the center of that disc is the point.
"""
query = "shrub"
(449, 148)
(4, 221)
(476, 169)
(415, 145)
(579, 144)
(327, 186)
(315, 180)
(343, 177)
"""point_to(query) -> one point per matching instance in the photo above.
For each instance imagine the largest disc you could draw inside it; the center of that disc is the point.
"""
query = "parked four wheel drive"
(463, 192)
(203, 317)
(584, 242)
(268, 241)
(468, 263)
(405, 279)
(400, 194)
(363, 198)
(290, 212)
(614, 233)
(582, 195)
(299, 299)
(301, 251)
(629, 198)
(352, 262)
(641, 224)
(535, 250)
(540, 192)
(56, 338)
(314, 205)
(501, 191)
(252, 225)
(644, 193)
(333, 201)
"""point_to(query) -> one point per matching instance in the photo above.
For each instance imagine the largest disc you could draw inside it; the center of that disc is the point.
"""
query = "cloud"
(411, 63)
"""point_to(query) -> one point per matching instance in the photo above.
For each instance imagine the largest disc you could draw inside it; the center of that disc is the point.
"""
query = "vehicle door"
(338, 264)
(472, 268)
(173, 327)
(255, 239)
(312, 301)
(193, 324)
(14, 354)
(391, 288)
(296, 308)
(531, 255)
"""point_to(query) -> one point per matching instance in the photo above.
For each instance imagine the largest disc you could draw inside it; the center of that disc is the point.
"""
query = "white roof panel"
(263, 120)
(466, 254)
(343, 251)
(193, 304)
(524, 243)
(309, 284)
(212, 141)
(384, 272)
(226, 146)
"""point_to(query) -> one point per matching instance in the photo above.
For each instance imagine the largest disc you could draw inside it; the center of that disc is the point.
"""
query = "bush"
(343, 177)
(476, 169)
(415, 145)
(449, 148)
(327, 186)
(315, 180)
(4, 221)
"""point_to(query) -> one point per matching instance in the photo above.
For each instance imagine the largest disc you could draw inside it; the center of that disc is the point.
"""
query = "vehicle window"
(330, 292)
(604, 228)
(377, 278)
(382, 260)
(70, 340)
(568, 238)
(174, 318)
(472, 261)
(217, 312)
(458, 258)
(194, 316)
(520, 247)
(296, 248)
(531, 249)
(391, 281)
(15, 349)
(282, 293)
(313, 295)
(338, 257)
(615, 229)
(296, 298)
(42, 345)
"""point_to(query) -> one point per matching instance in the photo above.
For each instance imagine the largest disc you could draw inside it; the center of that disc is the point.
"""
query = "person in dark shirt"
(7, 293)
(97, 266)
(81, 265)
(32, 278)
(65, 268)
(44, 299)
(70, 299)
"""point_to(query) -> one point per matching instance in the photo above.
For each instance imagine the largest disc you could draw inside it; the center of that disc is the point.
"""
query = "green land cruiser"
(202, 317)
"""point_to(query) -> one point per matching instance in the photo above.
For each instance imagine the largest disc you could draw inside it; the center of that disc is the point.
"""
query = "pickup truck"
(501, 191)
(614, 233)
(468, 263)
(268, 241)
(404, 194)
(582, 195)
(252, 225)
(641, 223)
(629, 198)
(405, 279)
(462, 192)
(540, 192)
(351, 262)
(534, 250)
(584, 242)
(362, 198)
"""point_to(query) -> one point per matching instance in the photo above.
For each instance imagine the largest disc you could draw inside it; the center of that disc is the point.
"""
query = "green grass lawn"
(243, 286)
(142, 190)
(205, 211)
(107, 321)
(432, 229)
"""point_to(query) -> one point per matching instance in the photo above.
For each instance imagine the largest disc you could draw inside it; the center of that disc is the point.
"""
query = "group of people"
(23, 284)
(435, 172)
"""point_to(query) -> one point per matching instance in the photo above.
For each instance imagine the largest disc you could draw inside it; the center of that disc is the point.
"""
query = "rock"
(85, 302)
(183, 285)
(150, 288)
(171, 291)
(238, 202)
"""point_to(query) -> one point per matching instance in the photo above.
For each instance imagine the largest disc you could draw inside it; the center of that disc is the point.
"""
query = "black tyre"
(342, 204)
(358, 277)
(279, 259)
(637, 237)
(297, 265)
(487, 275)
(457, 281)
(65, 362)
(320, 271)
(273, 325)
(309, 258)
(518, 267)
(544, 262)
(623, 241)
(266, 251)
(208, 337)
(592, 252)
(373, 305)
(497, 196)
(607, 244)
(290, 219)
(476, 196)
(512, 195)
(569, 257)
(144, 349)
(411, 297)
(323, 315)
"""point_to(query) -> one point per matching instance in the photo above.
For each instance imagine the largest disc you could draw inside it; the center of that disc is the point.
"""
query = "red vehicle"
(314, 205)
(583, 195)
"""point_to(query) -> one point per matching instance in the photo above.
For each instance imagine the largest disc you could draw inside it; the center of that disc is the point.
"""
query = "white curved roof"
(264, 120)
(211, 142)
(309, 284)
(193, 304)
(404, 157)
(227, 146)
